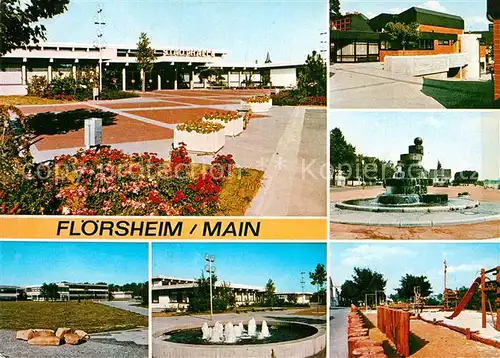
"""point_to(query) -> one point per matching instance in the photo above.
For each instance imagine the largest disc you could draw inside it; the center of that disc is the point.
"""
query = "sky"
(472, 11)
(394, 260)
(453, 138)
(246, 29)
(242, 263)
(32, 263)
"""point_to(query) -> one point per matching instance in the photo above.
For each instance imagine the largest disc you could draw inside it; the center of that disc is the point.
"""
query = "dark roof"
(378, 22)
(432, 18)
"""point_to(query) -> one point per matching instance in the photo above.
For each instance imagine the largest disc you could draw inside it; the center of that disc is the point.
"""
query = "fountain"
(252, 327)
(410, 182)
(406, 191)
(264, 333)
(252, 339)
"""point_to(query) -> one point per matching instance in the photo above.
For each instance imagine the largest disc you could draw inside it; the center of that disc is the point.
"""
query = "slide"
(468, 295)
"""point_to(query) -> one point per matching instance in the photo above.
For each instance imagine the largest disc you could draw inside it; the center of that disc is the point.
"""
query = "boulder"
(43, 333)
(72, 338)
(83, 335)
(25, 335)
(45, 341)
(61, 331)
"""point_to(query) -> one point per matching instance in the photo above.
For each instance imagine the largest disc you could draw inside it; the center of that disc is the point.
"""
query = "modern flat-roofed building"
(10, 293)
(71, 291)
(174, 68)
(173, 292)
(123, 295)
(301, 298)
(355, 38)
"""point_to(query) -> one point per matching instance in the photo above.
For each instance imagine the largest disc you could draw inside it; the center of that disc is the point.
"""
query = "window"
(444, 42)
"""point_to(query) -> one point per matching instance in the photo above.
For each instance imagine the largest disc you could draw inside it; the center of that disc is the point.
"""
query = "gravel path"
(12, 348)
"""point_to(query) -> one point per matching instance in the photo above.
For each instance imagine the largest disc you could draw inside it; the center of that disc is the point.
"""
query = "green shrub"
(115, 94)
(38, 87)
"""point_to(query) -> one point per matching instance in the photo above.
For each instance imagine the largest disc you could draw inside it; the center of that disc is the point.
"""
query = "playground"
(436, 314)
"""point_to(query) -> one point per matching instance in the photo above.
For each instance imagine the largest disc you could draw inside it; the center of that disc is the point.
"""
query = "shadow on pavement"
(460, 94)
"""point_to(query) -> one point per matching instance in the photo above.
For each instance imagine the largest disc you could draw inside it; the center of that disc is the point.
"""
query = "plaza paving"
(338, 332)
(468, 224)
(367, 85)
(288, 143)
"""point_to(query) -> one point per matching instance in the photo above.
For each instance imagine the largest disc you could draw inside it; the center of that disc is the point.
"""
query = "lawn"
(460, 94)
(89, 316)
(27, 100)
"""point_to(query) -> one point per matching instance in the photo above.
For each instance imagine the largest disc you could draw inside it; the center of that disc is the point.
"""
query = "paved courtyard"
(127, 306)
(288, 143)
(480, 230)
(367, 85)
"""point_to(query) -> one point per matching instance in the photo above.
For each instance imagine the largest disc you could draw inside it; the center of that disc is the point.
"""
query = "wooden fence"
(395, 324)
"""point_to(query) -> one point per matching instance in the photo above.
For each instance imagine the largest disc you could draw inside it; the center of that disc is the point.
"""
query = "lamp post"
(100, 23)
(211, 270)
(363, 172)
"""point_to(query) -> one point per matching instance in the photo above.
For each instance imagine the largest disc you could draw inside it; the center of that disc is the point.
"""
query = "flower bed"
(258, 104)
(204, 136)
(232, 122)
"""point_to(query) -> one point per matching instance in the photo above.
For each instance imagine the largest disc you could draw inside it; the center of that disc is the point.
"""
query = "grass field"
(89, 316)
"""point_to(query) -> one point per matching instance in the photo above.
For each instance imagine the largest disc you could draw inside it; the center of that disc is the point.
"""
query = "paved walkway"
(164, 323)
(10, 347)
(288, 143)
(127, 306)
(367, 85)
(338, 332)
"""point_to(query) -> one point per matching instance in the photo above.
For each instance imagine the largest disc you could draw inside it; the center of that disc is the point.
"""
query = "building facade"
(355, 38)
(173, 68)
(71, 291)
(173, 292)
(301, 298)
(10, 293)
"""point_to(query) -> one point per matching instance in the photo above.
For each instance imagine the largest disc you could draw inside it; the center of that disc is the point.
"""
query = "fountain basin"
(311, 341)
(433, 204)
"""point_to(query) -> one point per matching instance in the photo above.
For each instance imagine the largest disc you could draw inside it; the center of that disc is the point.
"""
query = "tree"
(406, 290)
(145, 57)
(270, 293)
(312, 78)
(465, 177)
(341, 152)
(19, 25)
(439, 166)
(50, 291)
(403, 34)
(364, 281)
(318, 279)
(334, 8)
(145, 293)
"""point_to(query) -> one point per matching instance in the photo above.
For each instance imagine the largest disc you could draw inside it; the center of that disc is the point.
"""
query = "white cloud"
(477, 23)
(433, 5)
(369, 254)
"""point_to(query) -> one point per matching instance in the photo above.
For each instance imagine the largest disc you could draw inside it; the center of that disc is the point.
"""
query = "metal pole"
(99, 24)
(211, 299)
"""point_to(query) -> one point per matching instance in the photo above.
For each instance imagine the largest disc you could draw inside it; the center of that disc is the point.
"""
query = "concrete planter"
(231, 128)
(258, 107)
(196, 142)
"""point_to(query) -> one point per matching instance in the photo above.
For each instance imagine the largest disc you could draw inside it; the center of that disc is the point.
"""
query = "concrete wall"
(424, 65)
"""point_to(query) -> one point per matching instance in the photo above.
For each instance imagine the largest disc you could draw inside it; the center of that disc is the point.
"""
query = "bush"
(115, 94)
(39, 87)
(294, 98)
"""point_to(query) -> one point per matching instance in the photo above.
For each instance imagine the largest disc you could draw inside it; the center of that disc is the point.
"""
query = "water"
(279, 332)
(372, 202)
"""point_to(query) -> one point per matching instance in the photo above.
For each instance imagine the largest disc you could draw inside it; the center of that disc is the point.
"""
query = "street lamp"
(99, 22)
(363, 173)
(211, 270)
